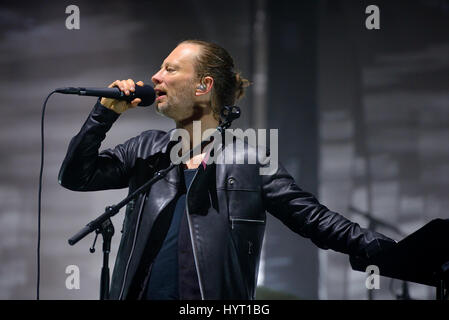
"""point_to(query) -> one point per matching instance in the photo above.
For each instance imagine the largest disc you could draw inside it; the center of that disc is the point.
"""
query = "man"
(197, 233)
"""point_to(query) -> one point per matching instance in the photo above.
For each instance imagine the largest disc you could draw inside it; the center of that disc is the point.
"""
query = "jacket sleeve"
(84, 168)
(302, 213)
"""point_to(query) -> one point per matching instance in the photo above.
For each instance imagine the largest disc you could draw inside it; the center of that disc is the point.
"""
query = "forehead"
(184, 54)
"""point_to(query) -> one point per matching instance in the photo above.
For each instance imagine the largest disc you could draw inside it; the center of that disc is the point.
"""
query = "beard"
(178, 104)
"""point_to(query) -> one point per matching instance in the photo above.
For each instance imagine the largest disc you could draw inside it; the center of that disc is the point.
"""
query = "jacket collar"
(164, 143)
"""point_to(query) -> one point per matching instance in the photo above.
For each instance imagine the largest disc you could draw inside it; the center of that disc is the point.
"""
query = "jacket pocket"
(247, 235)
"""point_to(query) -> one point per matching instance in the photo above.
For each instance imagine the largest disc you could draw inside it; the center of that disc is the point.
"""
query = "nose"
(156, 78)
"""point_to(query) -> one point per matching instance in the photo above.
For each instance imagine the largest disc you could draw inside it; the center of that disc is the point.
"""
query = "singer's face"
(175, 83)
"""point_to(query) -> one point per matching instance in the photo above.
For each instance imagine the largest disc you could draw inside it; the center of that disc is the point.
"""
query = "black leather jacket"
(225, 205)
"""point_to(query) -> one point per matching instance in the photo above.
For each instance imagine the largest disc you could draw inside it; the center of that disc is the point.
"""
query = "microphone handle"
(113, 93)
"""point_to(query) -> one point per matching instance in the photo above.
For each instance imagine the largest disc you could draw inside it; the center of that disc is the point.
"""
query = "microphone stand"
(107, 231)
(103, 225)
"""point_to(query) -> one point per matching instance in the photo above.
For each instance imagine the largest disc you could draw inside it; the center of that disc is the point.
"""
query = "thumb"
(135, 102)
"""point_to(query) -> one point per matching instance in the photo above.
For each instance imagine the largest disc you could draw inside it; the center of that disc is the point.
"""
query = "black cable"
(39, 198)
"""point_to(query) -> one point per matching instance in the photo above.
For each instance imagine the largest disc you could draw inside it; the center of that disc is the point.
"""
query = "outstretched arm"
(302, 213)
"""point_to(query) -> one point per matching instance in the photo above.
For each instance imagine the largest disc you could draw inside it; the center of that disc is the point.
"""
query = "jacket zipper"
(195, 257)
(132, 248)
(237, 220)
(147, 280)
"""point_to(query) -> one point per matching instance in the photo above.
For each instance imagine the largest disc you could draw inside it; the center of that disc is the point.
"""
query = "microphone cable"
(40, 198)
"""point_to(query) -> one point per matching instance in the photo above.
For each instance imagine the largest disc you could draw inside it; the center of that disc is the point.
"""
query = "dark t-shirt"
(163, 282)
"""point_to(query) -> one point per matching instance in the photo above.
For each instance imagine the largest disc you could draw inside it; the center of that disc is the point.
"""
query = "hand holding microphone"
(127, 87)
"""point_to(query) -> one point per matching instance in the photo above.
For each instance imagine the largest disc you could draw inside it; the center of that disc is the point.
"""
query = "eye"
(170, 69)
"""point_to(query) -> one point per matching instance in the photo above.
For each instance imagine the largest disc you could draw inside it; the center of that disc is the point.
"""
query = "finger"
(119, 84)
(114, 84)
(139, 83)
(125, 87)
(135, 102)
(131, 84)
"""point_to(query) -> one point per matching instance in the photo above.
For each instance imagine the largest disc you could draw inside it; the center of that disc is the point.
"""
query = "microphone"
(145, 93)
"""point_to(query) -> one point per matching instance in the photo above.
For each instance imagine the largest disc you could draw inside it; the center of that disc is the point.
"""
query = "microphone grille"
(146, 93)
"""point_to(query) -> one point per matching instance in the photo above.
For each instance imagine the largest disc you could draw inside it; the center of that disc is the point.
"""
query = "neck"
(196, 126)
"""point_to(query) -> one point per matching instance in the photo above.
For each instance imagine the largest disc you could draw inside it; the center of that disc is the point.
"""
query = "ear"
(205, 86)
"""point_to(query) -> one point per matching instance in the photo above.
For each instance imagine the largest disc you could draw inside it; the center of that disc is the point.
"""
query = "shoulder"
(246, 147)
(152, 135)
(149, 142)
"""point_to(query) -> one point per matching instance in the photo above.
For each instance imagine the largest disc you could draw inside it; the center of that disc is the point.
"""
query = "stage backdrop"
(362, 114)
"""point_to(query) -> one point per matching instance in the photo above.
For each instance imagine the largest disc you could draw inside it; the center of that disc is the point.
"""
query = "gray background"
(363, 119)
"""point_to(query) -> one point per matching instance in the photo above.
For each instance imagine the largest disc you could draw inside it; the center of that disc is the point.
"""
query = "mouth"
(160, 94)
